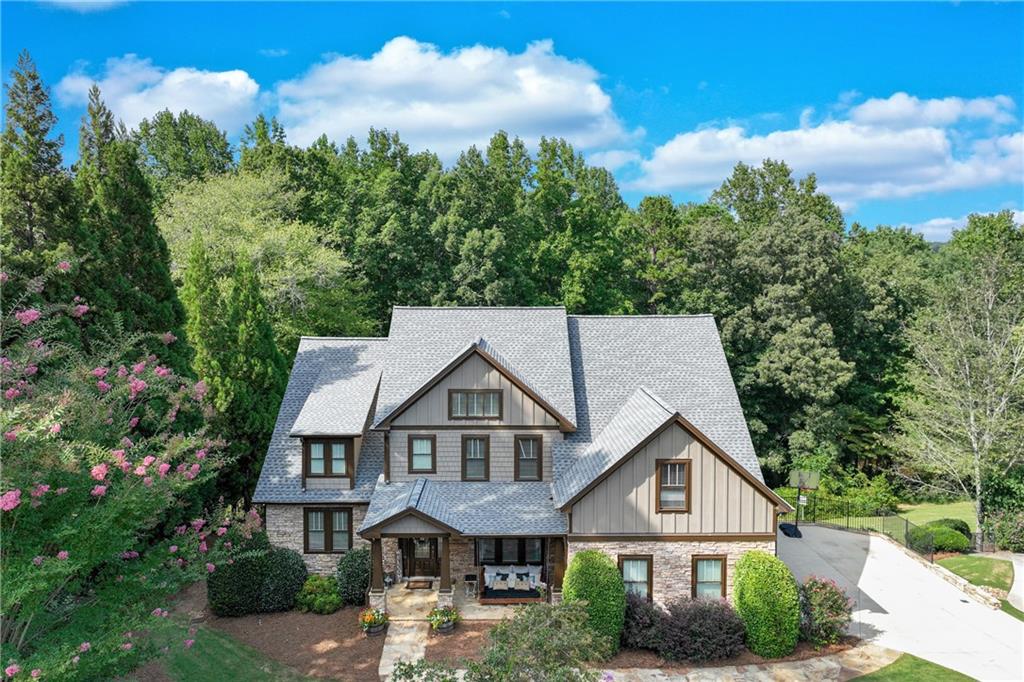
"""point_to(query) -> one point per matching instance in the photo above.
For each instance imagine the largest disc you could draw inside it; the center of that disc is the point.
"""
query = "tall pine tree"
(131, 274)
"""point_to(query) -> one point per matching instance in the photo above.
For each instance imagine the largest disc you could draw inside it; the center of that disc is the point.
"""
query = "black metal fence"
(847, 515)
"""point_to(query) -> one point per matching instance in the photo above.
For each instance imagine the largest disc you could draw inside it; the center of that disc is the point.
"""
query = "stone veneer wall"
(672, 560)
(284, 529)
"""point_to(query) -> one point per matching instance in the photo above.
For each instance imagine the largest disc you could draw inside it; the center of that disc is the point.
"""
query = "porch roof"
(486, 509)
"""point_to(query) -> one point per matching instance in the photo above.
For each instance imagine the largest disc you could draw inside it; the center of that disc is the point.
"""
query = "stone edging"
(976, 593)
(845, 665)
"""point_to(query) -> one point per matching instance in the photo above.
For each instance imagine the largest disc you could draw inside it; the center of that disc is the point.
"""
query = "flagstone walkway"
(406, 641)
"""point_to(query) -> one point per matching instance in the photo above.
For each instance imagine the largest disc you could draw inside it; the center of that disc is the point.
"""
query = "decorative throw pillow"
(501, 583)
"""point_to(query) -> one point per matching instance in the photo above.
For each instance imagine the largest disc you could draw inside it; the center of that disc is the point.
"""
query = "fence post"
(847, 514)
(906, 531)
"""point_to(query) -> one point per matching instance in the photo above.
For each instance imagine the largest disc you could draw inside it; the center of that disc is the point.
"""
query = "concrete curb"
(973, 591)
(1016, 596)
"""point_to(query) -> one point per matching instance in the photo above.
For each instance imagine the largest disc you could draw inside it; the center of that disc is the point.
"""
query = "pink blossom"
(169, 338)
(126, 466)
(79, 310)
(100, 372)
(10, 499)
(172, 549)
(37, 344)
(10, 435)
(75, 659)
(130, 554)
(12, 670)
(199, 390)
(55, 429)
(137, 386)
(198, 524)
(139, 367)
(102, 386)
(99, 491)
(99, 472)
(140, 470)
(40, 490)
(62, 555)
(210, 568)
(63, 266)
(36, 672)
(12, 393)
(163, 469)
(181, 530)
(194, 470)
(181, 563)
(30, 370)
(133, 422)
(4, 277)
(61, 490)
(127, 442)
(162, 371)
(202, 547)
(221, 531)
(228, 544)
(84, 646)
(147, 481)
(122, 371)
(37, 560)
(148, 460)
(181, 467)
(118, 455)
(189, 643)
(201, 454)
(27, 317)
(127, 646)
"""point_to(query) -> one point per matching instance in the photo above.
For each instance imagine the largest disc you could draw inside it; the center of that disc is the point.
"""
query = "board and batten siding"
(721, 500)
(518, 409)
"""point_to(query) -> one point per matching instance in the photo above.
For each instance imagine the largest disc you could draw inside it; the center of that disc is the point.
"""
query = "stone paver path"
(839, 667)
(406, 641)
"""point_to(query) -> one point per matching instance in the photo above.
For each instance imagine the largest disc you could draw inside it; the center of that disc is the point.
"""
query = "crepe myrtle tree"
(98, 452)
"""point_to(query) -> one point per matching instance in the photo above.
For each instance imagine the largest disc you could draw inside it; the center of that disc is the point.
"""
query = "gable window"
(708, 577)
(422, 454)
(475, 458)
(672, 479)
(528, 464)
(327, 531)
(327, 456)
(474, 404)
(637, 574)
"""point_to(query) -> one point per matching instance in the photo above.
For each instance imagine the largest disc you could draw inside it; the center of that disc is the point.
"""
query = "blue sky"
(908, 113)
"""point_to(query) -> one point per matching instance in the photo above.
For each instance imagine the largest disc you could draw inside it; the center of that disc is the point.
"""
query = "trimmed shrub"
(921, 540)
(947, 539)
(234, 588)
(1008, 530)
(700, 630)
(354, 576)
(594, 578)
(959, 525)
(825, 611)
(642, 623)
(767, 599)
(284, 573)
(319, 594)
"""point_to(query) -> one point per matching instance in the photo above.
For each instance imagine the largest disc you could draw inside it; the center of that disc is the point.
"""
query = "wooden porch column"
(446, 564)
(558, 562)
(376, 565)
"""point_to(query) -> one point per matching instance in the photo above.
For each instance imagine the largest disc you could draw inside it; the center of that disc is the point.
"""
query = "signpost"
(803, 479)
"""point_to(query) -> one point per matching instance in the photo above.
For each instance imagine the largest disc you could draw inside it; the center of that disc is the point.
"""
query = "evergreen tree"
(177, 149)
(131, 276)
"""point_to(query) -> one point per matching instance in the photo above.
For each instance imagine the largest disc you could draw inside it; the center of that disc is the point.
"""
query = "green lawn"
(980, 570)
(216, 656)
(1010, 609)
(923, 513)
(909, 668)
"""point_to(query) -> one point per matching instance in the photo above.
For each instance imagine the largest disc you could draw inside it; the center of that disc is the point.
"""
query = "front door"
(419, 556)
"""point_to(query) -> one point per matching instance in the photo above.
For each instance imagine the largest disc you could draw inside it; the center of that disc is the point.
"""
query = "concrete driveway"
(902, 605)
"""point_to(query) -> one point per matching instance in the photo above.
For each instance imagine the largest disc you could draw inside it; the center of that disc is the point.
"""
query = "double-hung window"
(638, 574)
(528, 455)
(474, 404)
(422, 454)
(327, 456)
(708, 577)
(327, 530)
(672, 486)
(475, 458)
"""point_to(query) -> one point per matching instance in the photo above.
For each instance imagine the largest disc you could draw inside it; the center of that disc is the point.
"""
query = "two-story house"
(494, 443)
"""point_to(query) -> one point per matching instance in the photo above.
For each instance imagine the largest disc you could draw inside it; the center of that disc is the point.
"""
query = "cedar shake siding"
(448, 454)
(721, 501)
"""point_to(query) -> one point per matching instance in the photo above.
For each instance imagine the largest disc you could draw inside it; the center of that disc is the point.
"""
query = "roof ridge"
(478, 307)
(658, 399)
(417, 492)
(667, 316)
(345, 338)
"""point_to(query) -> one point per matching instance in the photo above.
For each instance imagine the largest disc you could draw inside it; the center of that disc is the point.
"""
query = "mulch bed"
(467, 641)
(639, 658)
(331, 646)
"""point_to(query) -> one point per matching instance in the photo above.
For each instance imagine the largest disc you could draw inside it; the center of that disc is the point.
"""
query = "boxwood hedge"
(767, 599)
(594, 578)
(257, 581)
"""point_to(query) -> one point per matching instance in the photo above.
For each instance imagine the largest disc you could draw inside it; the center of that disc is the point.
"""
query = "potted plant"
(373, 621)
(443, 619)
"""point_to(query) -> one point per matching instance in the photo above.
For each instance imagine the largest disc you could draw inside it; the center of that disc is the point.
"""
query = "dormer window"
(474, 404)
(326, 457)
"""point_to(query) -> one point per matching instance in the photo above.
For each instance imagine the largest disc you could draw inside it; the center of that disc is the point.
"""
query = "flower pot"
(376, 630)
(446, 628)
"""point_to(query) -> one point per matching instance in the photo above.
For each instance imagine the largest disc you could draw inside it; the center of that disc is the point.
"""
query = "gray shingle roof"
(339, 399)
(637, 419)
(320, 363)
(678, 358)
(533, 341)
(472, 508)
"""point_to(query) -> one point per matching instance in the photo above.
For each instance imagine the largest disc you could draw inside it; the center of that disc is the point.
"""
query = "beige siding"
(411, 524)
(518, 409)
(449, 453)
(328, 483)
(721, 500)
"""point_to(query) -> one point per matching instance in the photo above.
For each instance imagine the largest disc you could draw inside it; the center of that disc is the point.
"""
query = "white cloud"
(85, 6)
(613, 159)
(274, 52)
(446, 101)
(853, 159)
(941, 229)
(135, 88)
(906, 111)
